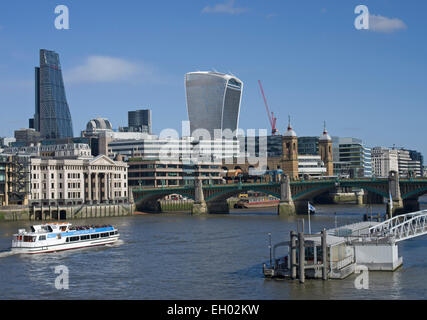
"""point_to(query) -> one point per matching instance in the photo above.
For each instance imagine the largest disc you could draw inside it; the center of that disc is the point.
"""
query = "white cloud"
(379, 23)
(227, 7)
(104, 69)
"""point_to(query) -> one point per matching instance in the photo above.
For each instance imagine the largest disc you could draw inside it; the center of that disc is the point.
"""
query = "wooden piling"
(301, 262)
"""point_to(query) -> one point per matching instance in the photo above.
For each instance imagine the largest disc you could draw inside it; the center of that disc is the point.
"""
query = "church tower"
(325, 150)
(290, 152)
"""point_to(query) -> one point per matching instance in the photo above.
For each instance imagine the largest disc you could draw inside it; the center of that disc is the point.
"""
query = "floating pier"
(336, 253)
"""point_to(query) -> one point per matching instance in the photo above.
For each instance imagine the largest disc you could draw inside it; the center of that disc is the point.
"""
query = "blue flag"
(310, 207)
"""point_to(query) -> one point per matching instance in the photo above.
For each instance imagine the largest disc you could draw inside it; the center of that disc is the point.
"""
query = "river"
(178, 256)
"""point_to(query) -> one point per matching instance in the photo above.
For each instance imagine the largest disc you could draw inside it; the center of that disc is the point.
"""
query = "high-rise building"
(139, 121)
(213, 101)
(52, 116)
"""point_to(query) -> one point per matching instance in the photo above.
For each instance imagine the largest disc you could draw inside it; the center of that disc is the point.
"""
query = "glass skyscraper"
(52, 116)
(213, 101)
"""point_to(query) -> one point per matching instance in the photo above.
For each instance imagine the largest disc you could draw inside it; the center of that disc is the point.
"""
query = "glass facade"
(52, 115)
(213, 101)
(139, 121)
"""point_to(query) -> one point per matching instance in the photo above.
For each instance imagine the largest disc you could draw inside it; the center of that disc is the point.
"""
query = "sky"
(314, 64)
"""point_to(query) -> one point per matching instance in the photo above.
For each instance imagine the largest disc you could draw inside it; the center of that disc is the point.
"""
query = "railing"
(402, 227)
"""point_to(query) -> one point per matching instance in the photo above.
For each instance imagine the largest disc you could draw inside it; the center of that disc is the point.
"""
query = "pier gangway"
(402, 227)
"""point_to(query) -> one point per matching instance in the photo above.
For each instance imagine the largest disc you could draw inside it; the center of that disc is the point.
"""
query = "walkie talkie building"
(213, 101)
(52, 116)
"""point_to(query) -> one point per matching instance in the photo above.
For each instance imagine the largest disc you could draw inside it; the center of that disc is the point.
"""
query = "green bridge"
(293, 195)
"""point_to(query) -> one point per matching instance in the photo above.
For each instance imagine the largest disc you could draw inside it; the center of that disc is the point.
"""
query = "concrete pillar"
(324, 256)
(359, 197)
(199, 206)
(286, 204)
(394, 189)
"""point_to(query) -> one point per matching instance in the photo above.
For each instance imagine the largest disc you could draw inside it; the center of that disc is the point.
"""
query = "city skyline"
(326, 76)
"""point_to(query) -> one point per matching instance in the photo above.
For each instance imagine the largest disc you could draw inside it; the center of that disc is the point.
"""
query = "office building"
(155, 173)
(26, 137)
(78, 181)
(153, 148)
(384, 160)
(52, 115)
(351, 158)
(139, 121)
(213, 101)
(407, 166)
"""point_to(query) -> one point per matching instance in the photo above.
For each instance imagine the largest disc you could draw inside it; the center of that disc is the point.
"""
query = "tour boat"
(52, 237)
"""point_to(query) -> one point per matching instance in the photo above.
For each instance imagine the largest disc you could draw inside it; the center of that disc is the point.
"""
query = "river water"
(178, 256)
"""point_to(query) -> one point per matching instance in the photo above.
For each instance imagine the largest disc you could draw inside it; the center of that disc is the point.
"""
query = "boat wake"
(8, 253)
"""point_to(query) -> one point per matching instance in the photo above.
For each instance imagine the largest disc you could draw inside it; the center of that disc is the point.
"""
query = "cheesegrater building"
(52, 116)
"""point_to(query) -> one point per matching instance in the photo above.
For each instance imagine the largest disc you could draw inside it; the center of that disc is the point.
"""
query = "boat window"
(116, 232)
(94, 236)
(68, 240)
(29, 239)
(74, 239)
(112, 233)
(104, 235)
(42, 238)
(84, 237)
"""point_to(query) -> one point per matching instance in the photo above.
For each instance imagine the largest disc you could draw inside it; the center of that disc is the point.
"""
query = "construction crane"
(271, 117)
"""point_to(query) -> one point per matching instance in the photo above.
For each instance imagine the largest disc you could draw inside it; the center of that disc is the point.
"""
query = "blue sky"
(313, 63)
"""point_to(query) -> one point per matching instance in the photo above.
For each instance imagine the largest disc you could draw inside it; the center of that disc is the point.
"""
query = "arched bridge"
(296, 194)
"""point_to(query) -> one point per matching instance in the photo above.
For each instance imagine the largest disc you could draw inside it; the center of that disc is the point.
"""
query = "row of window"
(91, 236)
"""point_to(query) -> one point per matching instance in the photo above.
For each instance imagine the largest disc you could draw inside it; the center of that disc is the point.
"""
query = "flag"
(311, 208)
(391, 202)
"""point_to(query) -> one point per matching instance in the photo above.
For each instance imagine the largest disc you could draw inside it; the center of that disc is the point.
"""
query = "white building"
(78, 181)
(311, 165)
(384, 160)
(175, 149)
(407, 166)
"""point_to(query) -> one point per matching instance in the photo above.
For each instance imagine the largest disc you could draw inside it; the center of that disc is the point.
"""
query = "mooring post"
(301, 262)
(293, 257)
(324, 256)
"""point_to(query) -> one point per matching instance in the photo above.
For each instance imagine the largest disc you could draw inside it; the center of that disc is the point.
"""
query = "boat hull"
(65, 246)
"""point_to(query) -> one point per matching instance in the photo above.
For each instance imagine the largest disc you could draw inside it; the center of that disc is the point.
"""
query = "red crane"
(270, 117)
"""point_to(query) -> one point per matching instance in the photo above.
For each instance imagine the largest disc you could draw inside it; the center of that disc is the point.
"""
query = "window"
(94, 236)
(104, 235)
(74, 239)
(86, 237)
(42, 238)
(112, 233)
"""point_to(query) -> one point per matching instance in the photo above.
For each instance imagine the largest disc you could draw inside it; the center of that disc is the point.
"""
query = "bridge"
(293, 195)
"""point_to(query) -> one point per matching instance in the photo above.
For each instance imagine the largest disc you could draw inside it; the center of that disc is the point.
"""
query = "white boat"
(53, 237)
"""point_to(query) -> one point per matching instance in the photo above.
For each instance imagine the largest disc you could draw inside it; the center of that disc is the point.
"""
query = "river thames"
(178, 256)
